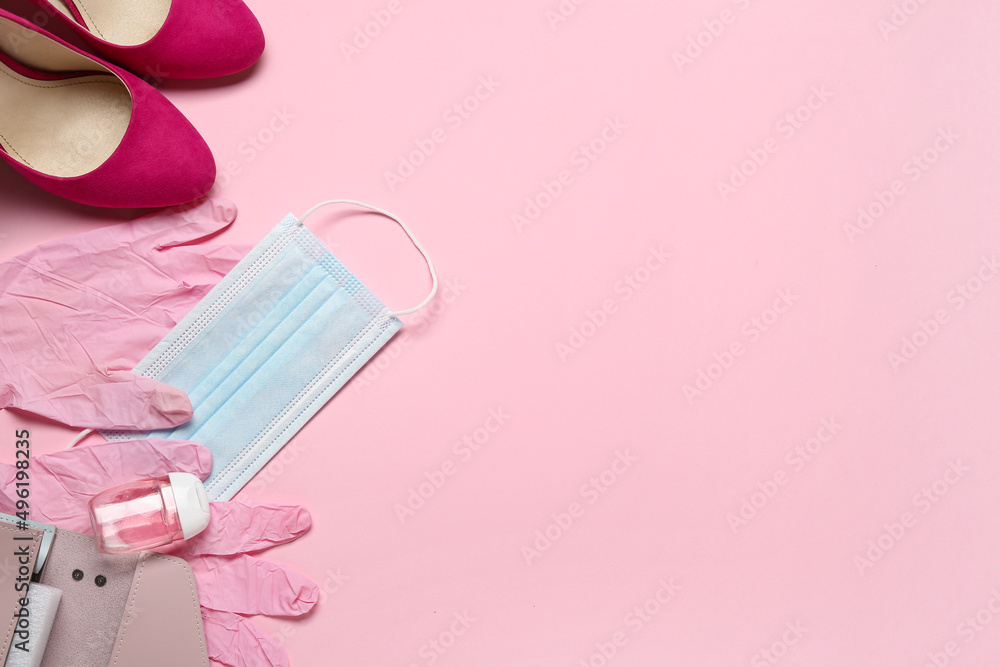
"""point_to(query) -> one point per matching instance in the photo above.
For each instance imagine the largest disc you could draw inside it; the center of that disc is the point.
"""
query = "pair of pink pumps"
(86, 129)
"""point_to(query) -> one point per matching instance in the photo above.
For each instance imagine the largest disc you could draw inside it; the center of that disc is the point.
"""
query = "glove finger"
(117, 400)
(125, 401)
(238, 528)
(248, 585)
(96, 297)
(178, 285)
(205, 264)
(233, 641)
(182, 224)
(62, 483)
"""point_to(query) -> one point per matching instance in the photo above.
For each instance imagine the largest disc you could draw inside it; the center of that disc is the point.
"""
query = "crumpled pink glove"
(231, 582)
(78, 313)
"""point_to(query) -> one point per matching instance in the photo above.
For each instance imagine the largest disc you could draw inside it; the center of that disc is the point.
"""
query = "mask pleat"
(247, 359)
(268, 346)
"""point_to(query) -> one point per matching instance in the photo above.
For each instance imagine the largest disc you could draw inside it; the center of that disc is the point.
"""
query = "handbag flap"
(162, 624)
(93, 600)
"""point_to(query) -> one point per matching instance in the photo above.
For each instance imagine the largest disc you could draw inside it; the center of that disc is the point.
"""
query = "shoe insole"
(64, 127)
(122, 22)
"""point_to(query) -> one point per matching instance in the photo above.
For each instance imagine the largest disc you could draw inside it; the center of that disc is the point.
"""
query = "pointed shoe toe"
(162, 160)
(167, 39)
(90, 132)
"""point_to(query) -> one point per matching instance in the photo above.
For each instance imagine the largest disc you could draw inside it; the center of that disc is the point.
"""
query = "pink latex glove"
(77, 314)
(231, 582)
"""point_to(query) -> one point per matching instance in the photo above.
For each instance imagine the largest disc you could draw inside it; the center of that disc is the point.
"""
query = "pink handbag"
(127, 610)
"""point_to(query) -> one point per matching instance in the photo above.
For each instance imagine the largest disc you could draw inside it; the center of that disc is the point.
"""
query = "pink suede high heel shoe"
(166, 39)
(91, 132)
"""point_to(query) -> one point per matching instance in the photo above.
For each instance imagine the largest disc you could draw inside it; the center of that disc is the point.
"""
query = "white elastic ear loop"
(80, 437)
(416, 243)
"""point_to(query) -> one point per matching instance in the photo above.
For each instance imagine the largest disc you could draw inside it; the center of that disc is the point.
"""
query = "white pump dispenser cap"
(192, 503)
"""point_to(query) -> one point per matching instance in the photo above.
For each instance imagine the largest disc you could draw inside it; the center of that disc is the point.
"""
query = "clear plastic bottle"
(149, 513)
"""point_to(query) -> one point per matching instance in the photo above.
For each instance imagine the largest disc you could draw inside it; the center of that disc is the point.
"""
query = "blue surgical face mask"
(267, 348)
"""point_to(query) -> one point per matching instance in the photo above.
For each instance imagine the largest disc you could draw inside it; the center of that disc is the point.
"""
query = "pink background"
(787, 578)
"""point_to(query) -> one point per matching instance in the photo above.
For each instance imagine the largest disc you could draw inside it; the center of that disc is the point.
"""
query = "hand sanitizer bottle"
(149, 513)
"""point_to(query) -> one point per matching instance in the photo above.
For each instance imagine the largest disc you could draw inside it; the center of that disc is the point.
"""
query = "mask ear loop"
(430, 266)
(81, 436)
(416, 243)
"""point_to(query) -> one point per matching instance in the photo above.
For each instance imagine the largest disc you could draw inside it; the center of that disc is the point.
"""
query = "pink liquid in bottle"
(149, 513)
